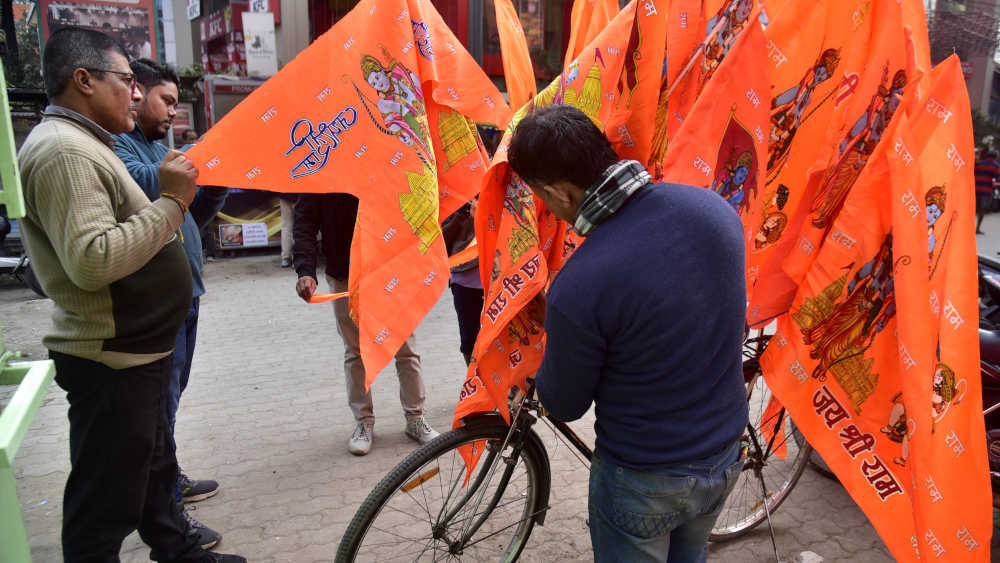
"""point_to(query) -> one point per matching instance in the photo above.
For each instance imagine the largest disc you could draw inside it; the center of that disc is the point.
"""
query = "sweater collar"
(86, 122)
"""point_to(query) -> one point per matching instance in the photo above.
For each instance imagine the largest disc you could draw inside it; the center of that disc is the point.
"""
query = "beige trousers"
(411, 383)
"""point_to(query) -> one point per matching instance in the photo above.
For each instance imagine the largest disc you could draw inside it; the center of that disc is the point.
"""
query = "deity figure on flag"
(735, 16)
(898, 430)
(736, 173)
(400, 102)
(773, 219)
(788, 109)
(841, 332)
(731, 179)
(944, 391)
(857, 146)
(935, 200)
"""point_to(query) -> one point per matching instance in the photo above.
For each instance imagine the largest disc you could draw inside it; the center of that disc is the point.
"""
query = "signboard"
(242, 235)
(131, 22)
(261, 51)
(272, 6)
(215, 25)
(967, 68)
(193, 9)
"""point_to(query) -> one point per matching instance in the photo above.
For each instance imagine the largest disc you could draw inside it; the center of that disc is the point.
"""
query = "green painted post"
(32, 378)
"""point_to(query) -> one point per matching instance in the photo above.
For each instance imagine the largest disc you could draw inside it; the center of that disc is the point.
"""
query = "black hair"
(991, 154)
(559, 143)
(151, 73)
(71, 48)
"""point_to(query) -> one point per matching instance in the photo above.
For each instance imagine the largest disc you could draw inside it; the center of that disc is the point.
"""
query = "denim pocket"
(649, 505)
(731, 476)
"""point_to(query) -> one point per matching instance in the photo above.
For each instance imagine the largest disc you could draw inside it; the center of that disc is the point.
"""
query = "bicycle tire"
(744, 509)
(421, 469)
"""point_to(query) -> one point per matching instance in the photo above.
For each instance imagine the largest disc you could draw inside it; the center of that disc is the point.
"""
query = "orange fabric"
(587, 20)
(696, 48)
(823, 61)
(854, 137)
(517, 69)
(389, 123)
(638, 89)
(464, 255)
(878, 360)
(521, 244)
(326, 297)
(722, 145)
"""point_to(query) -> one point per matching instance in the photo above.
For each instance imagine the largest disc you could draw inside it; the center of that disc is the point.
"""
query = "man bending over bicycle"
(646, 320)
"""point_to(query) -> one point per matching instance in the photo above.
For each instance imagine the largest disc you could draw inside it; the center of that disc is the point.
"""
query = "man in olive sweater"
(113, 264)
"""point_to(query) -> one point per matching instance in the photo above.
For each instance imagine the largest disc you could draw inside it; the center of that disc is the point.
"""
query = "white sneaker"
(418, 430)
(361, 441)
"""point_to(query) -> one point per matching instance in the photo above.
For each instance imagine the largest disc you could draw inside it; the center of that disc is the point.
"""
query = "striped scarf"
(617, 183)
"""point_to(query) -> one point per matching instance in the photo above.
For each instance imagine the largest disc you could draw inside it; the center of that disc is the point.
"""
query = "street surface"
(265, 414)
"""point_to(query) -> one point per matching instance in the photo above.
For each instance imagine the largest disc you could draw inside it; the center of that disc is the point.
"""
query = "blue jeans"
(663, 514)
(180, 369)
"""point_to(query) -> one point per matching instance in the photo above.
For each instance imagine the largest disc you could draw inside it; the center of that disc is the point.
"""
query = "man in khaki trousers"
(333, 216)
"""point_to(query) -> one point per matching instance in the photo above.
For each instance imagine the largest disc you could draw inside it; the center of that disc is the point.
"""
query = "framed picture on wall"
(132, 22)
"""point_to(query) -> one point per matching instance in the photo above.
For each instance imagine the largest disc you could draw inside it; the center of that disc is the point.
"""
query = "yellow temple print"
(420, 208)
(588, 99)
(521, 240)
(834, 331)
(458, 138)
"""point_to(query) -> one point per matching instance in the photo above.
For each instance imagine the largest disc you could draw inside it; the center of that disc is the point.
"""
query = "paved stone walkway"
(265, 414)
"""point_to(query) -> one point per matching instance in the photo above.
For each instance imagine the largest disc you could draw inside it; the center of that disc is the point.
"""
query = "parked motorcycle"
(989, 363)
(18, 264)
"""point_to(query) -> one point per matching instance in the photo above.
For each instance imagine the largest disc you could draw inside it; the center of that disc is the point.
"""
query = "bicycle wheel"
(744, 508)
(424, 510)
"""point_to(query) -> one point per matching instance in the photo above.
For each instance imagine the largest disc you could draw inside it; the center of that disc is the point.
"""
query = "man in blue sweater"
(646, 320)
(141, 153)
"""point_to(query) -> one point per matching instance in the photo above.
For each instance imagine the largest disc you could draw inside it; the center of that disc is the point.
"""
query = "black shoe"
(207, 538)
(193, 490)
(222, 558)
(210, 557)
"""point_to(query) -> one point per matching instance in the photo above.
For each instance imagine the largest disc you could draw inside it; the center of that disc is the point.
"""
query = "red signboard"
(132, 22)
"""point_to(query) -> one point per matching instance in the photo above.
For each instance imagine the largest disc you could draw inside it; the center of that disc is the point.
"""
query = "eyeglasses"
(129, 76)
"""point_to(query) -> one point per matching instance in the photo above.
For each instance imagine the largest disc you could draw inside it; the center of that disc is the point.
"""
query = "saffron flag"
(642, 76)
(877, 360)
(391, 123)
(808, 151)
(587, 20)
(722, 145)
(517, 70)
(678, 93)
(521, 244)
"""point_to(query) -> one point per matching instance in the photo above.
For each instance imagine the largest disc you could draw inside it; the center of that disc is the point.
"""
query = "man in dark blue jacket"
(646, 320)
(141, 152)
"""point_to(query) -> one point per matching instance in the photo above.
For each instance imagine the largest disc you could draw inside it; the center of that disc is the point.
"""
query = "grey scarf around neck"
(617, 183)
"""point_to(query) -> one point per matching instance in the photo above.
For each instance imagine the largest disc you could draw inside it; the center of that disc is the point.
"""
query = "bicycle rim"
(744, 508)
(422, 508)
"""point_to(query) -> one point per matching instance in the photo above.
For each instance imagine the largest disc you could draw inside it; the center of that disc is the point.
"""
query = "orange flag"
(389, 123)
(933, 222)
(517, 70)
(722, 145)
(696, 65)
(521, 244)
(587, 21)
(638, 90)
(818, 84)
(877, 362)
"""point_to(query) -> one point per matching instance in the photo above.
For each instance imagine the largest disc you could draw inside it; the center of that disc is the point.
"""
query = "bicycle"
(428, 507)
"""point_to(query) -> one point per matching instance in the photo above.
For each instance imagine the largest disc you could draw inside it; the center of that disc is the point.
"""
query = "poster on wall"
(262, 54)
(132, 22)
